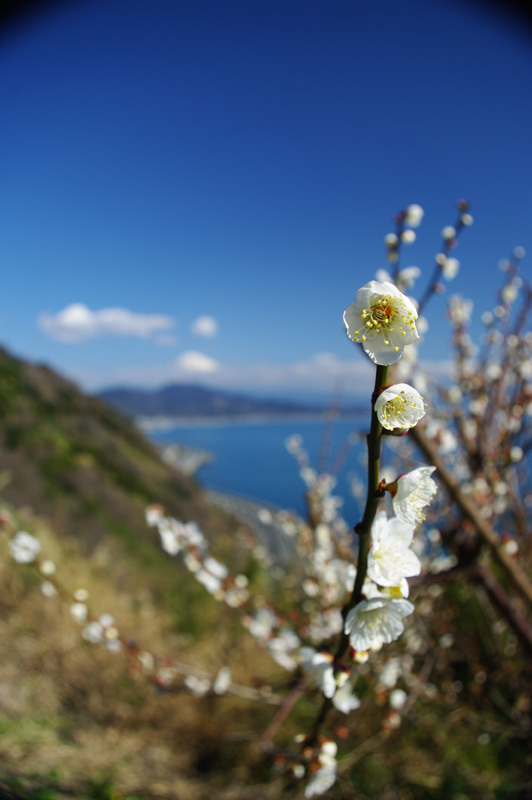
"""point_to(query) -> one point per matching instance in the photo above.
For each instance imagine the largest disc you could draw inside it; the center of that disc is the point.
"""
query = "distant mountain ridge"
(191, 401)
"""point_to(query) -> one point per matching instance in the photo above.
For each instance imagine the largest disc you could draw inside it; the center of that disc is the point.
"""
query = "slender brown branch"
(519, 623)
(288, 703)
(512, 568)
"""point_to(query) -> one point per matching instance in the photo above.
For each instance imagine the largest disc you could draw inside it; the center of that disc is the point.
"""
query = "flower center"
(381, 314)
(398, 404)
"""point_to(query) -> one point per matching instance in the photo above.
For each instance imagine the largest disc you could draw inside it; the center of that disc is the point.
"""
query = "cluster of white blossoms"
(164, 672)
(378, 618)
(487, 419)
(336, 685)
(188, 540)
(383, 320)
(24, 547)
(318, 762)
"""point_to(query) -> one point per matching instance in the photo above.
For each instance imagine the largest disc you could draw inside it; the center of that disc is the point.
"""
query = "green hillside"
(82, 464)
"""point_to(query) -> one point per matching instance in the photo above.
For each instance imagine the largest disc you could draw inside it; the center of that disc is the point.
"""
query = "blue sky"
(194, 190)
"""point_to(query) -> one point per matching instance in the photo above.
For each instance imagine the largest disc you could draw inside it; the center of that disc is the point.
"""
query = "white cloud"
(204, 326)
(193, 362)
(322, 373)
(77, 322)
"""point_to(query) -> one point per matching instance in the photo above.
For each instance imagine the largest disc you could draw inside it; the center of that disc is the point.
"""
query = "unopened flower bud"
(414, 215)
(449, 232)
(408, 236)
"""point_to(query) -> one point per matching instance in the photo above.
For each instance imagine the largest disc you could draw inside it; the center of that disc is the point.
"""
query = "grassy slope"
(73, 715)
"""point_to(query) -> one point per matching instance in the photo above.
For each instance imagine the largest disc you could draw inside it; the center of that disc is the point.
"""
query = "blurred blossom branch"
(471, 511)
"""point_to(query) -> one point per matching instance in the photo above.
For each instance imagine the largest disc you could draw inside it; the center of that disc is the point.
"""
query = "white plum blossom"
(345, 700)
(399, 406)
(262, 624)
(154, 514)
(211, 582)
(79, 612)
(47, 567)
(449, 232)
(390, 558)
(460, 310)
(215, 568)
(413, 215)
(198, 686)
(389, 674)
(93, 632)
(320, 667)
(283, 648)
(398, 699)
(222, 681)
(24, 547)
(383, 275)
(411, 493)
(377, 621)
(48, 589)
(516, 453)
(325, 777)
(449, 268)
(169, 539)
(383, 320)
(321, 781)
(408, 236)
(408, 276)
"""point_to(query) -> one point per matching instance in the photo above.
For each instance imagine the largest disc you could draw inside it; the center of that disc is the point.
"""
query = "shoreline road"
(261, 518)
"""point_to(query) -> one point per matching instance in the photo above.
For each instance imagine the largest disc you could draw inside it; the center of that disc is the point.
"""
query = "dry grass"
(75, 711)
(75, 721)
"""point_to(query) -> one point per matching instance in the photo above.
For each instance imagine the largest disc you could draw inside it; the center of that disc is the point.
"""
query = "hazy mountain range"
(190, 401)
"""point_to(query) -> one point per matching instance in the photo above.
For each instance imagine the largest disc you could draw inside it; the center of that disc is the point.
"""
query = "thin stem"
(363, 530)
(373, 497)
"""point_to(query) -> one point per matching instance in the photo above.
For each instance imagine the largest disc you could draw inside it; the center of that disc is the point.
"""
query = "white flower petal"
(415, 491)
(319, 665)
(399, 407)
(382, 319)
(390, 559)
(345, 700)
(321, 781)
(377, 621)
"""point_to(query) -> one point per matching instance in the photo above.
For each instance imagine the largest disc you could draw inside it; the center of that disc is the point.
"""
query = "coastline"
(261, 518)
(148, 424)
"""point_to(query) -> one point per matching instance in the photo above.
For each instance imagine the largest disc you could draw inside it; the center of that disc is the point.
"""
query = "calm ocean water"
(251, 460)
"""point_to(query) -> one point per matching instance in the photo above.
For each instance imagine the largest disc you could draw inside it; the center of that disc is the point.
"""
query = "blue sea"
(250, 459)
